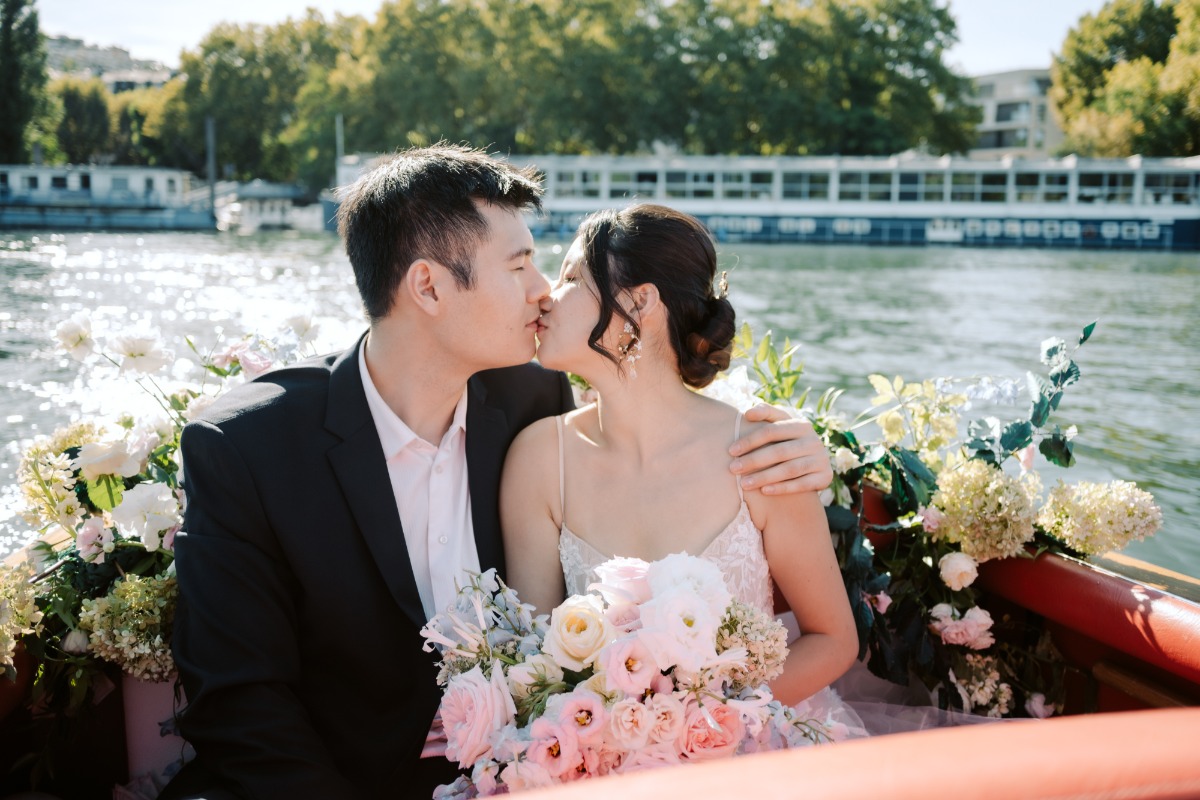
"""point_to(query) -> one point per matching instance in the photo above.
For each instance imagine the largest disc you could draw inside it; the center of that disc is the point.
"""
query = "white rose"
(198, 405)
(734, 388)
(106, 458)
(579, 630)
(697, 575)
(958, 570)
(474, 709)
(75, 336)
(522, 676)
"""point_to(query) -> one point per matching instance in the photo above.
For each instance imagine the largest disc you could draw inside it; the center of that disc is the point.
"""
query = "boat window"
(58, 181)
(1105, 187)
(1164, 188)
(761, 184)
(566, 184)
(31, 182)
(630, 184)
(850, 186)
(994, 187)
(922, 187)
(85, 182)
(806, 185)
(879, 186)
(691, 184)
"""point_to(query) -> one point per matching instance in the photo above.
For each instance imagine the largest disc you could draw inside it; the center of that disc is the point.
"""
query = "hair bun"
(710, 345)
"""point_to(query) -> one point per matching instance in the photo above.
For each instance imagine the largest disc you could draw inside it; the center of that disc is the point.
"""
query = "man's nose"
(541, 287)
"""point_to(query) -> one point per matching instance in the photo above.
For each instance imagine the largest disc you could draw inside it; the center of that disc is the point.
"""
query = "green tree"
(84, 130)
(22, 78)
(1126, 80)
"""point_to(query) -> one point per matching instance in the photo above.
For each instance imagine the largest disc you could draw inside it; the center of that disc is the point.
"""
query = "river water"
(918, 313)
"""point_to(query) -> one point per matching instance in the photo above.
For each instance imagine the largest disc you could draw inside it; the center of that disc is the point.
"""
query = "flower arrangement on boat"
(958, 496)
(105, 502)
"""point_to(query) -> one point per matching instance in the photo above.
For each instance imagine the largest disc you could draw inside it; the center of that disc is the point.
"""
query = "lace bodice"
(737, 551)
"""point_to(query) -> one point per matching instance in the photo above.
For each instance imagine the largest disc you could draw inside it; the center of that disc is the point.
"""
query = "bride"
(643, 471)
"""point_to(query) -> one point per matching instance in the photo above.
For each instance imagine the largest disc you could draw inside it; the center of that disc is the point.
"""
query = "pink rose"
(972, 629)
(228, 356)
(554, 747)
(958, 570)
(94, 540)
(701, 741)
(629, 724)
(584, 713)
(931, 518)
(473, 709)
(623, 580)
(624, 617)
(629, 665)
(254, 363)
(669, 716)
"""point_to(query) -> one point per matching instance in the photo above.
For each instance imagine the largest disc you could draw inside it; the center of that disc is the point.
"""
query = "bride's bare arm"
(529, 516)
(804, 566)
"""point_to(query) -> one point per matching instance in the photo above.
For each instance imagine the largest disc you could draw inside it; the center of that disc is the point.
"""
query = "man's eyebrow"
(521, 252)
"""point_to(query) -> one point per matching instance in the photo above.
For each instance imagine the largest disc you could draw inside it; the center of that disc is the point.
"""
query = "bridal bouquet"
(657, 665)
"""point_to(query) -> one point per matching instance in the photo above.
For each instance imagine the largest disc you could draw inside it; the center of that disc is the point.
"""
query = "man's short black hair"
(420, 203)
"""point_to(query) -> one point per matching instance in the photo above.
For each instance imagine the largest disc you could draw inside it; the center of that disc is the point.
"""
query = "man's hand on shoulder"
(785, 457)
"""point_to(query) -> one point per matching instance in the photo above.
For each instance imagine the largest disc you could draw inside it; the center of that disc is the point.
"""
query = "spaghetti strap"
(562, 494)
(737, 432)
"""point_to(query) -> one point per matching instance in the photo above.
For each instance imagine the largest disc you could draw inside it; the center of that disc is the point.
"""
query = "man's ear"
(422, 285)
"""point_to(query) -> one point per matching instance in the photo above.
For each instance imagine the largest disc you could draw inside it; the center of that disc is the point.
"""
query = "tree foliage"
(1126, 80)
(560, 76)
(83, 130)
(22, 78)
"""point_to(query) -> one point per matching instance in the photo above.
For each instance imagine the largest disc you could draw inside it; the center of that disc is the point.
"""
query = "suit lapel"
(487, 443)
(361, 469)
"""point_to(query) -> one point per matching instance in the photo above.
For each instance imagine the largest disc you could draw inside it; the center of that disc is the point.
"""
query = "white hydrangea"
(1097, 518)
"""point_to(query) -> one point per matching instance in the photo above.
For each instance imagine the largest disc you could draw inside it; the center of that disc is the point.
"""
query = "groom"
(332, 504)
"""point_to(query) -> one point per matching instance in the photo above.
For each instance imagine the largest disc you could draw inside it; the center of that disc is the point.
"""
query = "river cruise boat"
(88, 196)
(1136, 203)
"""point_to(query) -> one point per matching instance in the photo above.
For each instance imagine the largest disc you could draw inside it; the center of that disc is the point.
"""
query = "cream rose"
(629, 724)
(579, 630)
(958, 570)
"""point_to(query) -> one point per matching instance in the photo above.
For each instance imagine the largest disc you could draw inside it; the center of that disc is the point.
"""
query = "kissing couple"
(335, 504)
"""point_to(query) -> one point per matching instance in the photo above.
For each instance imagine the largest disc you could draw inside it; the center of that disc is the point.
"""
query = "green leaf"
(1016, 435)
(764, 347)
(1039, 412)
(105, 492)
(1053, 350)
(1065, 374)
(1057, 449)
(1087, 332)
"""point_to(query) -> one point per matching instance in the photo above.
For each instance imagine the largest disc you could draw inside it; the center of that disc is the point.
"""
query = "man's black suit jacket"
(297, 633)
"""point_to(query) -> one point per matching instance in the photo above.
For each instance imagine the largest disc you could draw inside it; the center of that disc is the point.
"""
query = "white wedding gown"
(738, 552)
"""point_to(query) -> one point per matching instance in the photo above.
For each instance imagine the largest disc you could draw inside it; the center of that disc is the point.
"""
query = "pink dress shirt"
(432, 496)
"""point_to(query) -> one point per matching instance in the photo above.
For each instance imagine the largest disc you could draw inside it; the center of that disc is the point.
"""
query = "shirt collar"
(394, 434)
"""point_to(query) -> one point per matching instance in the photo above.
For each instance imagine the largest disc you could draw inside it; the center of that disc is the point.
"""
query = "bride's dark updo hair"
(649, 243)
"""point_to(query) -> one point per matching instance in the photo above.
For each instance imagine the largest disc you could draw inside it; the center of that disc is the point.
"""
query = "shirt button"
(438, 469)
(442, 539)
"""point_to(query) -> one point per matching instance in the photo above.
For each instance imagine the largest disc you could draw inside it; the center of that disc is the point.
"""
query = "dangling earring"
(631, 350)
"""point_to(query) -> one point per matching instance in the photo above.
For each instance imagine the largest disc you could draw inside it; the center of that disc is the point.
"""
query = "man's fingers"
(783, 431)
